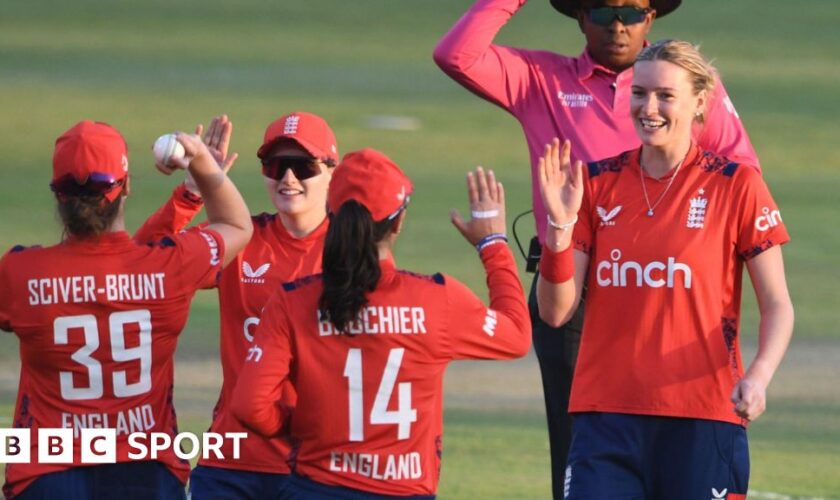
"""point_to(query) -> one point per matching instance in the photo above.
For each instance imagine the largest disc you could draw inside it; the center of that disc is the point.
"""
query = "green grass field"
(150, 66)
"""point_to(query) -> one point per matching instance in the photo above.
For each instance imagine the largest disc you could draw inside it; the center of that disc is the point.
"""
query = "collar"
(388, 265)
(586, 66)
(316, 234)
(98, 243)
(690, 159)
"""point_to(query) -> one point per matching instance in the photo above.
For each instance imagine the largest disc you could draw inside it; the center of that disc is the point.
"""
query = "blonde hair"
(688, 57)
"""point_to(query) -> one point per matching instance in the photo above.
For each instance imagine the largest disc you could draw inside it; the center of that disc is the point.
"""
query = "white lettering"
(381, 320)
(375, 466)
(768, 220)
(653, 274)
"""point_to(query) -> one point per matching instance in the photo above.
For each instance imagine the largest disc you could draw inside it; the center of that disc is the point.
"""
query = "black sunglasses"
(96, 184)
(303, 168)
(604, 16)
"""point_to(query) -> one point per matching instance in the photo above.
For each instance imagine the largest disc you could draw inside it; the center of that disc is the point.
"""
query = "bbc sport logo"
(99, 446)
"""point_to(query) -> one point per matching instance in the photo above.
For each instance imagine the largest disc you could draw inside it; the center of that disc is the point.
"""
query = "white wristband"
(562, 227)
(484, 214)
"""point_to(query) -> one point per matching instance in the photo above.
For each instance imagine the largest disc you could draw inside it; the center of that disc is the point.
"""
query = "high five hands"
(216, 141)
(561, 184)
(487, 207)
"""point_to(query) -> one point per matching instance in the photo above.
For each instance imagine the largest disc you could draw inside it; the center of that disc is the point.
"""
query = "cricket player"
(584, 99)
(98, 317)
(298, 155)
(661, 234)
(366, 344)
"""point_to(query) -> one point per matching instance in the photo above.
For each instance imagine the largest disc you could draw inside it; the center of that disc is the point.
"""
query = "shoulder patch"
(263, 219)
(436, 278)
(715, 164)
(614, 164)
(300, 282)
(17, 248)
(164, 242)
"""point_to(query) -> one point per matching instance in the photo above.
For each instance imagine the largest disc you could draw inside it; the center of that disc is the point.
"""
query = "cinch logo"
(768, 220)
(607, 218)
(574, 100)
(654, 274)
(254, 275)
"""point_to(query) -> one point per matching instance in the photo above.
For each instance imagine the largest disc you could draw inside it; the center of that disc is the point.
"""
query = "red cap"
(372, 179)
(309, 131)
(91, 148)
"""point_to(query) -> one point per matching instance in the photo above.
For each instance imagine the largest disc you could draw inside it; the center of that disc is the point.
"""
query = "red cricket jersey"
(369, 413)
(98, 321)
(272, 256)
(661, 327)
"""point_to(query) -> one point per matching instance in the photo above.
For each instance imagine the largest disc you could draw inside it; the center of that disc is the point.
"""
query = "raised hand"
(217, 140)
(487, 207)
(561, 184)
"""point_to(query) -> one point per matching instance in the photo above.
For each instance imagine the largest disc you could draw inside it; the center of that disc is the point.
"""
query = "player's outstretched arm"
(502, 330)
(467, 54)
(767, 272)
(562, 268)
(227, 213)
(185, 202)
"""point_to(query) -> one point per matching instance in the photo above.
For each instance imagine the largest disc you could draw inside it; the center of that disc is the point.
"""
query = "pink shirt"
(573, 98)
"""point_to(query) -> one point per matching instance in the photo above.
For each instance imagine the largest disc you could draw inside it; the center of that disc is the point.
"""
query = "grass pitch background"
(149, 67)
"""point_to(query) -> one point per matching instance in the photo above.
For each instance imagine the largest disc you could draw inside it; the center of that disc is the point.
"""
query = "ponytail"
(350, 263)
(87, 216)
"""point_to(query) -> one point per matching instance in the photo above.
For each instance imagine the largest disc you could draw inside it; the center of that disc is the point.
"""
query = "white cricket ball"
(168, 148)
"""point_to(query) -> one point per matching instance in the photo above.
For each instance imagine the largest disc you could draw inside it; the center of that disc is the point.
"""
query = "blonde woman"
(661, 234)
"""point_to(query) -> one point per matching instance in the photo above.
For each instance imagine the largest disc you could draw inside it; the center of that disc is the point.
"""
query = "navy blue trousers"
(122, 481)
(645, 457)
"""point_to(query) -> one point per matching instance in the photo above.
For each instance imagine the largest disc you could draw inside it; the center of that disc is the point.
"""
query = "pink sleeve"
(172, 217)
(501, 331)
(723, 133)
(257, 399)
(760, 224)
(466, 53)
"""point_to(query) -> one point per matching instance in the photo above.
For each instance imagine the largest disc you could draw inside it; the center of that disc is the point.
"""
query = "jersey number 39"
(119, 353)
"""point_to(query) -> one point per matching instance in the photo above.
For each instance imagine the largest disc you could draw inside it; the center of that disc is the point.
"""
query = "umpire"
(585, 99)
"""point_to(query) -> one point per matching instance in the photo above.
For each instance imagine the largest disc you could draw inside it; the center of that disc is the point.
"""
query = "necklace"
(644, 189)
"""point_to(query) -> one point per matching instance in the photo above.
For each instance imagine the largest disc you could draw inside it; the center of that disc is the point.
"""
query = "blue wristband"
(490, 239)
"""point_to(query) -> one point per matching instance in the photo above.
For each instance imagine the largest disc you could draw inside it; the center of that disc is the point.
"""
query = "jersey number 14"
(403, 416)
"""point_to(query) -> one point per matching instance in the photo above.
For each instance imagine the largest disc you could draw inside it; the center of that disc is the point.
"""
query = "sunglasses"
(303, 168)
(604, 16)
(97, 184)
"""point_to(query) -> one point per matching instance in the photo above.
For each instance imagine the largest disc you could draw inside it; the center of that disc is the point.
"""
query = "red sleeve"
(502, 331)
(257, 397)
(760, 224)
(199, 257)
(723, 133)
(583, 235)
(466, 53)
(172, 217)
(5, 295)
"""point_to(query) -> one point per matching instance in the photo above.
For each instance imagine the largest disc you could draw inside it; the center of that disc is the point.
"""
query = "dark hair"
(350, 263)
(87, 216)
